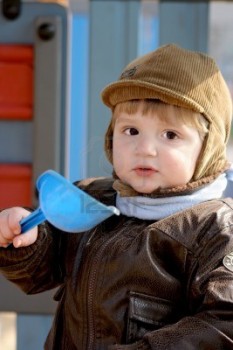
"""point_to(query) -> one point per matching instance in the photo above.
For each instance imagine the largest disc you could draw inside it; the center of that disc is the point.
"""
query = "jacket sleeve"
(208, 323)
(35, 268)
(42, 265)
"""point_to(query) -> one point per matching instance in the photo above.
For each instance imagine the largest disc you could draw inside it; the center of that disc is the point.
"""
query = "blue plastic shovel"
(65, 206)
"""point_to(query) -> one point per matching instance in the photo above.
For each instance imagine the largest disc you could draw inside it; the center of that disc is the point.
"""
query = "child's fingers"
(10, 227)
(4, 242)
(25, 239)
(6, 233)
(15, 216)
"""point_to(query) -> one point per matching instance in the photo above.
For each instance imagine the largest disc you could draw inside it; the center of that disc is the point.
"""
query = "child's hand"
(10, 228)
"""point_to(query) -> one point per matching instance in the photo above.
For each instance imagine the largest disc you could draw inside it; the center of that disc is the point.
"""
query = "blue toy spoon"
(65, 206)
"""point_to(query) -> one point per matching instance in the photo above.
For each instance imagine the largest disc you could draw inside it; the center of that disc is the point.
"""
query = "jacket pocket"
(147, 313)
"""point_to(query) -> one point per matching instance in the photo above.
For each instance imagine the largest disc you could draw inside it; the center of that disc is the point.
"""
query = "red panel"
(16, 82)
(15, 185)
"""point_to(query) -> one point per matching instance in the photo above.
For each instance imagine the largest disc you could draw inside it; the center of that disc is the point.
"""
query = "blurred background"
(55, 58)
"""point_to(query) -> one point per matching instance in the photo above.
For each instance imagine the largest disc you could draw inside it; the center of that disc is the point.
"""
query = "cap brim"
(127, 90)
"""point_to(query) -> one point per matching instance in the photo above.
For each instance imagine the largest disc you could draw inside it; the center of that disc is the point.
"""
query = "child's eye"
(170, 135)
(131, 131)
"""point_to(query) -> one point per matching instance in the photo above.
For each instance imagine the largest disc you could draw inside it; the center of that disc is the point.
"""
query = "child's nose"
(146, 147)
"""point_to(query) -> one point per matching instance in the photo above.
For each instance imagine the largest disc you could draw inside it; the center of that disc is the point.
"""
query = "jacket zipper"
(91, 292)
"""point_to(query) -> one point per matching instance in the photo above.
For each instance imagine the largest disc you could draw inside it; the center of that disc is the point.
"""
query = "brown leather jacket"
(134, 284)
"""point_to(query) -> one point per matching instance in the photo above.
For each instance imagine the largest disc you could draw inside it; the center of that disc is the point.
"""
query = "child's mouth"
(141, 171)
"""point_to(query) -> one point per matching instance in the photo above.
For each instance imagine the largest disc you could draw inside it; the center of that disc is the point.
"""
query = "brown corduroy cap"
(186, 79)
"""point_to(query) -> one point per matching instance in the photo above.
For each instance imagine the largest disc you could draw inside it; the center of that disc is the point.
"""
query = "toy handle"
(32, 220)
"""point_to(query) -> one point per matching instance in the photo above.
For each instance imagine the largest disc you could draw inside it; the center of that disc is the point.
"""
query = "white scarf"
(159, 208)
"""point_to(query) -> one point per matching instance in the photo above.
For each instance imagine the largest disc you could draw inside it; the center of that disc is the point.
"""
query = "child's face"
(150, 152)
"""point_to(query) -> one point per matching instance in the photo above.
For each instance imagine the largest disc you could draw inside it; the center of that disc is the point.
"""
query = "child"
(160, 276)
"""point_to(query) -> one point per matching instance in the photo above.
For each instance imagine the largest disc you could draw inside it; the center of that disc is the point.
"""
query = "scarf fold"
(158, 208)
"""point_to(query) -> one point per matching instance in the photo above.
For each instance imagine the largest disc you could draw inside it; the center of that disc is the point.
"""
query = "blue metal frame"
(78, 104)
